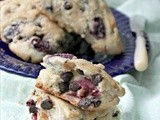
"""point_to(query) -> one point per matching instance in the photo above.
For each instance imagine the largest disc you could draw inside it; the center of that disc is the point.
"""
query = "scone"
(79, 82)
(92, 19)
(31, 34)
(43, 106)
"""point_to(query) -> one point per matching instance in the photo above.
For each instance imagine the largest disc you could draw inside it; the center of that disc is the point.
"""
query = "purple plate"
(116, 65)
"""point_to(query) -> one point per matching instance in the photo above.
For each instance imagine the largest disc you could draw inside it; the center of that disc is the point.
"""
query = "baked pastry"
(79, 82)
(31, 34)
(43, 106)
(92, 19)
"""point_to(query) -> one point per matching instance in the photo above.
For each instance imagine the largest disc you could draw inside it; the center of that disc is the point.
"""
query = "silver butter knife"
(137, 24)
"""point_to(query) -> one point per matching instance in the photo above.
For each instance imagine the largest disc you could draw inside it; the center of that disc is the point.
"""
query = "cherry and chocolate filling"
(84, 88)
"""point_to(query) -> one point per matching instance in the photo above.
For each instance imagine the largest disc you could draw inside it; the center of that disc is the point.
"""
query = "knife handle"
(140, 56)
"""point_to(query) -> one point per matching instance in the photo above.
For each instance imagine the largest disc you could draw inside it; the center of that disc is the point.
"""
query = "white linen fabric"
(142, 98)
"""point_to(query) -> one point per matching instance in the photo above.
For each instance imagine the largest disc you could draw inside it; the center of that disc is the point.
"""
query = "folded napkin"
(142, 99)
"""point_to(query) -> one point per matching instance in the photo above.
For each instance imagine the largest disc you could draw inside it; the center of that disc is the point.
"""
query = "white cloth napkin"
(142, 98)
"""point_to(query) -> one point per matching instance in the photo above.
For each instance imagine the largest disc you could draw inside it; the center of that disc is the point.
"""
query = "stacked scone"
(34, 28)
(74, 89)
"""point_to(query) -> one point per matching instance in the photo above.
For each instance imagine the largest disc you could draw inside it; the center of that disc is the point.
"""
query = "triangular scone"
(92, 19)
(43, 106)
(79, 82)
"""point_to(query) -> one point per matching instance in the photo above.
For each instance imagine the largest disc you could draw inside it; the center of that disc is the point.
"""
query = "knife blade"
(137, 24)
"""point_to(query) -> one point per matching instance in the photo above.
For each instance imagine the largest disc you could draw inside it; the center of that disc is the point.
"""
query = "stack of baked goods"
(34, 28)
(69, 88)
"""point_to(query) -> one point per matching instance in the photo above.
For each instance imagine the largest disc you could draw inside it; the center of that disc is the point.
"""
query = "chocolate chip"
(47, 104)
(97, 78)
(67, 76)
(80, 71)
(64, 87)
(49, 8)
(115, 114)
(96, 102)
(68, 5)
(20, 38)
(30, 102)
(33, 109)
(84, 103)
(38, 24)
(74, 86)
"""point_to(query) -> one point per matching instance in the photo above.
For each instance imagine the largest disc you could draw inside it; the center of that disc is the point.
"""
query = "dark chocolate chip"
(39, 35)
(115, 114)
(20, 37)
(68, 5)
(80, 71)
(49, 8)
(47, 104)
(97, 78)
(33, 109)
(64, 87)
(74, 86)
(30, 102)
(38, 24)
(84, 103)
(96, 102)
(67, 76)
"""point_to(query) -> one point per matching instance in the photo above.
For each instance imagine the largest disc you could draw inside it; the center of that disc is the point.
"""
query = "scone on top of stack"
(76, 89)
(34, 28)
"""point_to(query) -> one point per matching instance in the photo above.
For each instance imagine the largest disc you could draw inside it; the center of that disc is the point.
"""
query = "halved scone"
(79, 82)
